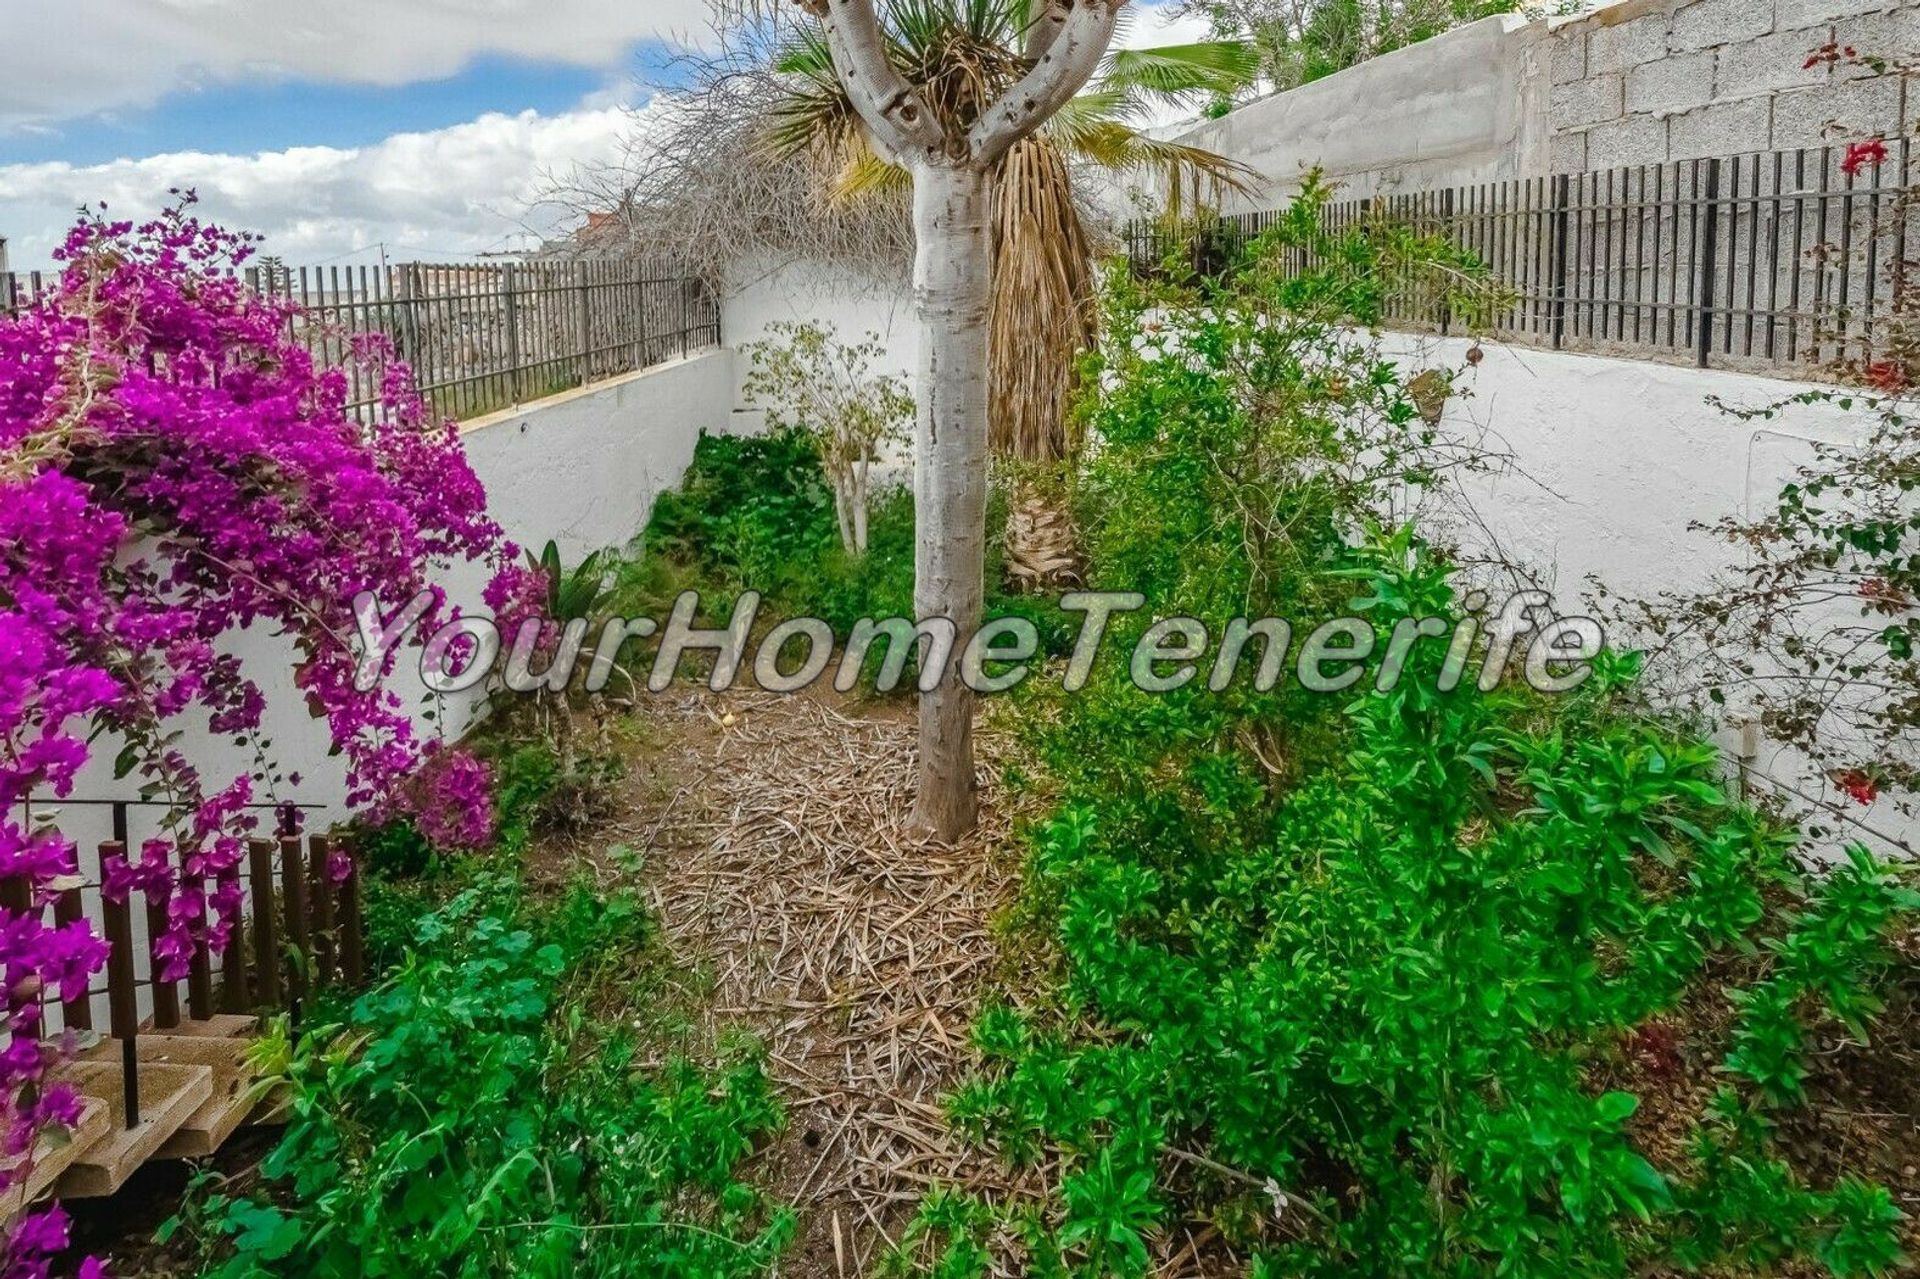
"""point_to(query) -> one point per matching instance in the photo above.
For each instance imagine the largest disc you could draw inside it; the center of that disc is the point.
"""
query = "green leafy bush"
(755, 513)
(1359, 980)
(488, 1110)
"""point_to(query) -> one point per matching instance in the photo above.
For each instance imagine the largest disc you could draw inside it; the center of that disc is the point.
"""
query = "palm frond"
(1182, 72)
(1043, 304)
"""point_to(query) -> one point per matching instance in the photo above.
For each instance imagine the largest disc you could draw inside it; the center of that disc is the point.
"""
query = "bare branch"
(1048, 22)
(1062, 71)
(897, 119)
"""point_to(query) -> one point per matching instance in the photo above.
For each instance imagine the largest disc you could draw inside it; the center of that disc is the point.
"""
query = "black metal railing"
(482, 337)
(1769, 261)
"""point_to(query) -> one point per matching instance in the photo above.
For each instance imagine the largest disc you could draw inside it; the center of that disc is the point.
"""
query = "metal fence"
(1769, 261)
(483, 337)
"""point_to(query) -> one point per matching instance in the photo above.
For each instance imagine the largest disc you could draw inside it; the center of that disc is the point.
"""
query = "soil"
(773, 834)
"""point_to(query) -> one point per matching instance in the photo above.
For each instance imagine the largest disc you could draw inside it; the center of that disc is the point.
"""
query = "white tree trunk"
(843, 501)
(860, 491)
(953, 274)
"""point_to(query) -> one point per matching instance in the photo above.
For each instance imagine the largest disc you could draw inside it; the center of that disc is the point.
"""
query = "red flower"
(1828, 54)
(1860, 155)
(1859, 787)
(1887, 377)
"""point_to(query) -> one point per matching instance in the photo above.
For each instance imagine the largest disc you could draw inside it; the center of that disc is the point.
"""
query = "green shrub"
(487, 1111)
(1356, 978)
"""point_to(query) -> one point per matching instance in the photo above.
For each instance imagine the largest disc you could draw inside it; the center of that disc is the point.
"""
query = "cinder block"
(1778, 61)
(1705, 24)
(1618, 48)
(1639, 139)
(1677, 83)
(1569, 57)
(1836, 113)
(1894, 36)
(1726, 128)
(1568, 153)
(1587, 101)
(1790, 15)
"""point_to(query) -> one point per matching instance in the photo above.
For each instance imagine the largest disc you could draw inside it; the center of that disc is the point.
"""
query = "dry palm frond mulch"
(779, 858)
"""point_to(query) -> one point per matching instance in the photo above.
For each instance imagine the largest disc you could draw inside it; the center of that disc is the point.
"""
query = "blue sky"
(275, 115)
(341, 129)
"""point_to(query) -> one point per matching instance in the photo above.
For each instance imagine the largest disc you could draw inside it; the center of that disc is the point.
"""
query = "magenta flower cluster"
(175, 466)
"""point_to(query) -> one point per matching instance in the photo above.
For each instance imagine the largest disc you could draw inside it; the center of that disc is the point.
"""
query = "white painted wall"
(1614, 461)
(581, 468)
(812, 292)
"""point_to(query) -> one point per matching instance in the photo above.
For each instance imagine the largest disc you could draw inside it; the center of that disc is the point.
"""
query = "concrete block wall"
(1636, 82)
(1651, 80)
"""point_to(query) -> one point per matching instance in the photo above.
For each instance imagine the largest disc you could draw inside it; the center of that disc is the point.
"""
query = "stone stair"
(196, 1090)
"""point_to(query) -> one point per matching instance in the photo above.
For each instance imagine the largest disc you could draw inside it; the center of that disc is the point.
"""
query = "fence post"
(586, 321)
(409, 322)
(266, 932)
(509, 280)
(686, 321)
(124, 1017)
(1562, 185)
(1704, 260)
(1446, 229)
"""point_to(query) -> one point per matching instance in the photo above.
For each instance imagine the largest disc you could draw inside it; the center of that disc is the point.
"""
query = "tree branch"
(897, 119)
(1069, 60)
(1049, 18)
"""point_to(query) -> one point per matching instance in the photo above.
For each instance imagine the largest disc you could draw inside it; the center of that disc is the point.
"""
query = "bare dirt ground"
(773, 835)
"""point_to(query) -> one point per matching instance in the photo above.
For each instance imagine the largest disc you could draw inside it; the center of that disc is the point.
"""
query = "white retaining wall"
(582, 469)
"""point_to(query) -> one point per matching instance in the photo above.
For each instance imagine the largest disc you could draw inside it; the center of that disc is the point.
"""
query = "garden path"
(773, 832)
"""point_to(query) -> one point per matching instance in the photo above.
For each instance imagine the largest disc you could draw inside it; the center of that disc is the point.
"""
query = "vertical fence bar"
(16, 894)
(510, 283)
(320, 883)
(200, 980)
(123, 1009)
(293, 895)
(75, 1014)
(1704, 259)
(1561, 197)
(266, 933)
(586, 322)
(235, 997)
(166, 993)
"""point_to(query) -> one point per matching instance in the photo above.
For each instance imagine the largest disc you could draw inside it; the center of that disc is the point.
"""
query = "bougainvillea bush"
(175, 467)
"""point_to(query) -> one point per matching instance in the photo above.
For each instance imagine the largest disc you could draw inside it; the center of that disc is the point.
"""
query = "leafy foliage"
(1360, 983)
(754, 513)
(811, 381)
(483, 1112)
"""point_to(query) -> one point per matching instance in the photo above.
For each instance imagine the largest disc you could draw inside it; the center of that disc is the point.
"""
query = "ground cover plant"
(518, 1095)
(757, 513)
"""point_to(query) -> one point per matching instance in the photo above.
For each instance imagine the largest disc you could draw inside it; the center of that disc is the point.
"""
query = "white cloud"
(454, 191)
(450, 192)
(67, 58)
(1153, 24)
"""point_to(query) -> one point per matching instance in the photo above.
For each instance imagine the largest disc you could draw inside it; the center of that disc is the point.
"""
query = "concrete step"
(218, 1026)
(170, 1094)
(54, 1153)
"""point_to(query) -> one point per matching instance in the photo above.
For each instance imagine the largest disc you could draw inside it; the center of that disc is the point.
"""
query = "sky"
(340, 129)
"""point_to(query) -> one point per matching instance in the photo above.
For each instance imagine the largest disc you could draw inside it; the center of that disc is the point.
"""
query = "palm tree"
(960, 54)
